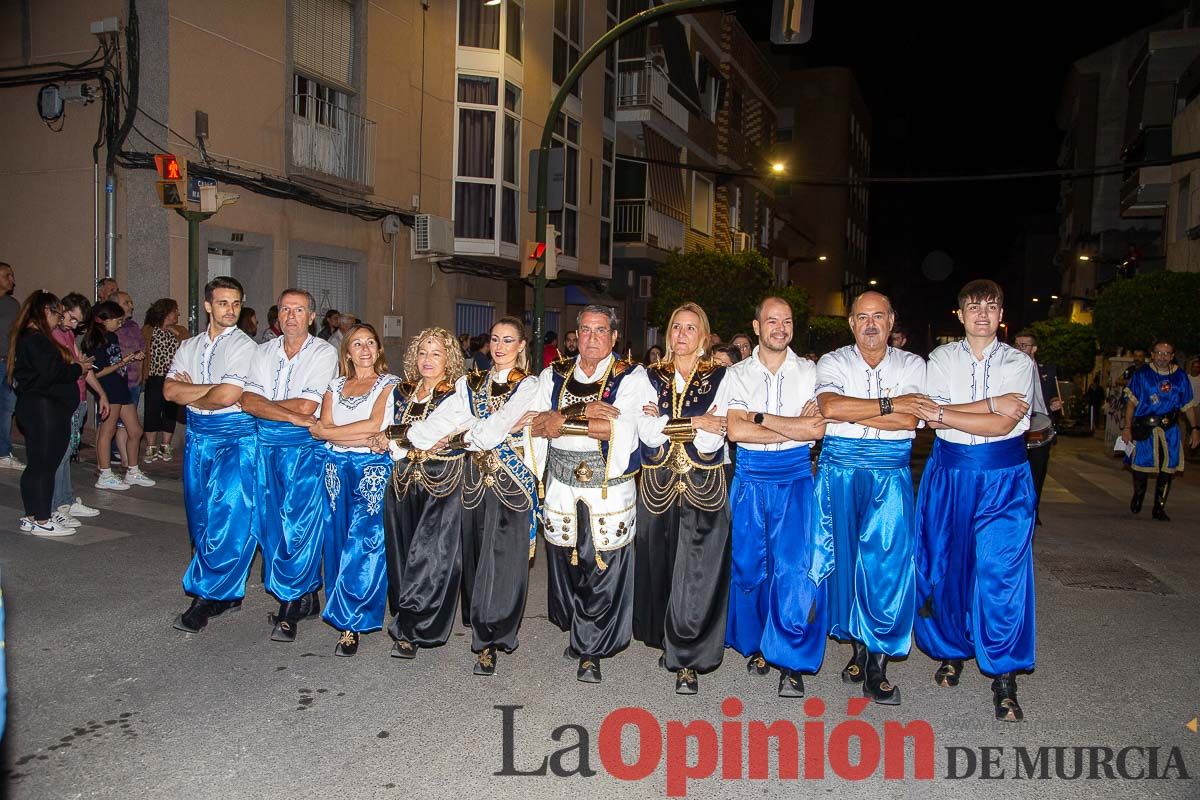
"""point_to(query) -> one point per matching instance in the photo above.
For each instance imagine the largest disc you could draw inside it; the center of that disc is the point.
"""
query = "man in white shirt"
(208, 375)
(871, 394)
(288, 377)
(777, 592)
(591, 497)
(977, 504)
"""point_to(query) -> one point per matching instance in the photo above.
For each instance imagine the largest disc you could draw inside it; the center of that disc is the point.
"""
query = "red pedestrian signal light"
(168, 167)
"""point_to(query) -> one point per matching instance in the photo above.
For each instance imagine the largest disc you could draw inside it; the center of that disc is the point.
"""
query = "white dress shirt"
(846, 372)
(345, 410)
(651, 428)
(225, 359)
(955, 377)
(454, 414)
(304, 376)
(784, 393)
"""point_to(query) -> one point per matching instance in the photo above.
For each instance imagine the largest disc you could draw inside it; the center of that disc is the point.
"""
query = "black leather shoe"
(589, 670)
(757, 665)
(404, 649)
(310, 605)
(877, 686)
(201, 611)
(856, 667)
(569, 654)
(791, 684)
(948, 673)
(686, 681)
(1004, 697)
(348, 644)
(485, 662)
(286, 627)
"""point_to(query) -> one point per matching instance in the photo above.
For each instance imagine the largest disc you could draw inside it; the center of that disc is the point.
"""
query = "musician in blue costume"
(208, 375)
(593, 456)
(976, 507)
(1158, 393)
(488, 416)
(777, 589)
(681, 583)
(870, 393)
(355, 408)
(422, 518)
(288, 378)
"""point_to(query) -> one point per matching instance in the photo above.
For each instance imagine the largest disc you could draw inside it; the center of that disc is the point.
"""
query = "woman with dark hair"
(45, 377)
(248, 321)
(329, 324)
(66, 506)
(488, 416)
(100, 344)
(354, 409)
(423, 512)
(654, 354)
(159, 331)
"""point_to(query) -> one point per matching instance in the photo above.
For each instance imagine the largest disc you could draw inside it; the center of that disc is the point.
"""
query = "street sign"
(556, 186)
(194, 184)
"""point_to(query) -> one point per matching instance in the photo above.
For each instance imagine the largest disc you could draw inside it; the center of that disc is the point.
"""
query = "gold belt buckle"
(418, 456)
(680, 464)
(584, 473)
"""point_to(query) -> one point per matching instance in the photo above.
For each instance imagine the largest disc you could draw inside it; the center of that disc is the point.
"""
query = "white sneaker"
(78, 509)
(49, 528)
(65, 520)
(137, 477)
(26, 524)
(111, 482)
(11, 462)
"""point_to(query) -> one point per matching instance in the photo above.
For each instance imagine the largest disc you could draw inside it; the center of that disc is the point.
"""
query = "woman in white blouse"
(488, 416)
(354, 409)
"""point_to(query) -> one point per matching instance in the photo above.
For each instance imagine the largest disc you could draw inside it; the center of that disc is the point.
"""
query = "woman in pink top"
(66, 507)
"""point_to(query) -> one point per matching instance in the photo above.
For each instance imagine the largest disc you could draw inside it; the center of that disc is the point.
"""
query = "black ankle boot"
(1004, 698)
(201, 610)
(1139, 492)
(1162, 487)
(876, 686)
(855, 669)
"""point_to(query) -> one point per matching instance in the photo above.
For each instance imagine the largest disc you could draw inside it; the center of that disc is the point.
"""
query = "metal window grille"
(473, 318)
(331, 282)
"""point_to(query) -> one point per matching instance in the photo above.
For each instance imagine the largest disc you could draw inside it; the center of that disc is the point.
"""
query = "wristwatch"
(758, 418)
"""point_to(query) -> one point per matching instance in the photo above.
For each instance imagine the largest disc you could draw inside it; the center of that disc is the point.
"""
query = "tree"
(1132, 313)
(828, 333)
(1067, 345)
(728, 286)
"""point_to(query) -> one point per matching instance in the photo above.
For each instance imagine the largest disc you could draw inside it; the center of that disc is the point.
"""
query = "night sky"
(958, 88)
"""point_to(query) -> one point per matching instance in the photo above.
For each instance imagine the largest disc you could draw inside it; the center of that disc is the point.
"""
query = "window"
(645, 286)
(1182, 212)
(702, 203)
(566, 222)
(317, 103)
(330, 281)
(711, 85)
(514, 29)
(606, 201)
(511, 168)
(478, 25)
(475, 184)
(568, 34)
(610, 65)
(323, 41)
(735, 208)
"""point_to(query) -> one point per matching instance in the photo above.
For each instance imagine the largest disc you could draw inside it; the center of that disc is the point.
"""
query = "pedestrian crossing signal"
(168, 167)
(169, 195)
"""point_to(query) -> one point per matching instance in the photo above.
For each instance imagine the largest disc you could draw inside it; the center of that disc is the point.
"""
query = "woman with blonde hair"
(423, 511)
(354, 409)
(487, 416)
(681, 588)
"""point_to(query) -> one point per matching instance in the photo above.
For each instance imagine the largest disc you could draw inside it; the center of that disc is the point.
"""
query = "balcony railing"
(332, 141)
(638, 221)
(643, 84)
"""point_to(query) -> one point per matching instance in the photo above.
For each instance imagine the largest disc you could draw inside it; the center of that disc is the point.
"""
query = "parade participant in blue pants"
(777, 590)
(1157, 394)
(355, 408)
(208, 375)
(870, 393)
(977, 506)
(288, 378)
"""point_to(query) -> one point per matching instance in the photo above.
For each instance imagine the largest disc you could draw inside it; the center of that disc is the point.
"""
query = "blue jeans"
(8, 404)
(64, 492)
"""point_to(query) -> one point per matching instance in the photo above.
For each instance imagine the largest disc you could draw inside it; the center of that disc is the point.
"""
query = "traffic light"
(542, 256)
(791, 21)
(170, 187)
(537, 252)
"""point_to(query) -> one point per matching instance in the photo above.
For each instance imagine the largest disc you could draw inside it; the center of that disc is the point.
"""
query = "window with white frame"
(610, 64)
(702, 204)
(735, 208)
(478, 24)
(568, 35)
(606, 201)
(566, 222)
(510, 173)
(711, 84)
(475, 177)
(514, 28)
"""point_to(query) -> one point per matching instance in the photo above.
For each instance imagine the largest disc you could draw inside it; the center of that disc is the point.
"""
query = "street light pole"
(591, 54)
(194, 218)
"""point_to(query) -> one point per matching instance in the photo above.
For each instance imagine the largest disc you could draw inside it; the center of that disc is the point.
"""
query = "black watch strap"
(758, 418)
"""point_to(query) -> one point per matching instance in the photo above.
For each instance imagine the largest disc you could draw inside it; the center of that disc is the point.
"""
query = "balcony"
(641, 226)
(332, 144)
(1145, 192)
(642, 86)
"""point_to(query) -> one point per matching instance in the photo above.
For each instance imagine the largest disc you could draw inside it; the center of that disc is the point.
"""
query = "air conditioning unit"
(432, 236)
(741, 241)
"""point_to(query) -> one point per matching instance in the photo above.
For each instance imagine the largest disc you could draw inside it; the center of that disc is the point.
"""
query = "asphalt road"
(108, 701)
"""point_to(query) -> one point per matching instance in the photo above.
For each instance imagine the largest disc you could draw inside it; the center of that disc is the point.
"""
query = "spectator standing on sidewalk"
(8, 315)
(106, 288)
(129, 336)
(160, 331)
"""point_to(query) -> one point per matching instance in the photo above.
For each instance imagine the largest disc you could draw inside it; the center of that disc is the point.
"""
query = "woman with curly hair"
(159, 331)
(423, 512)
